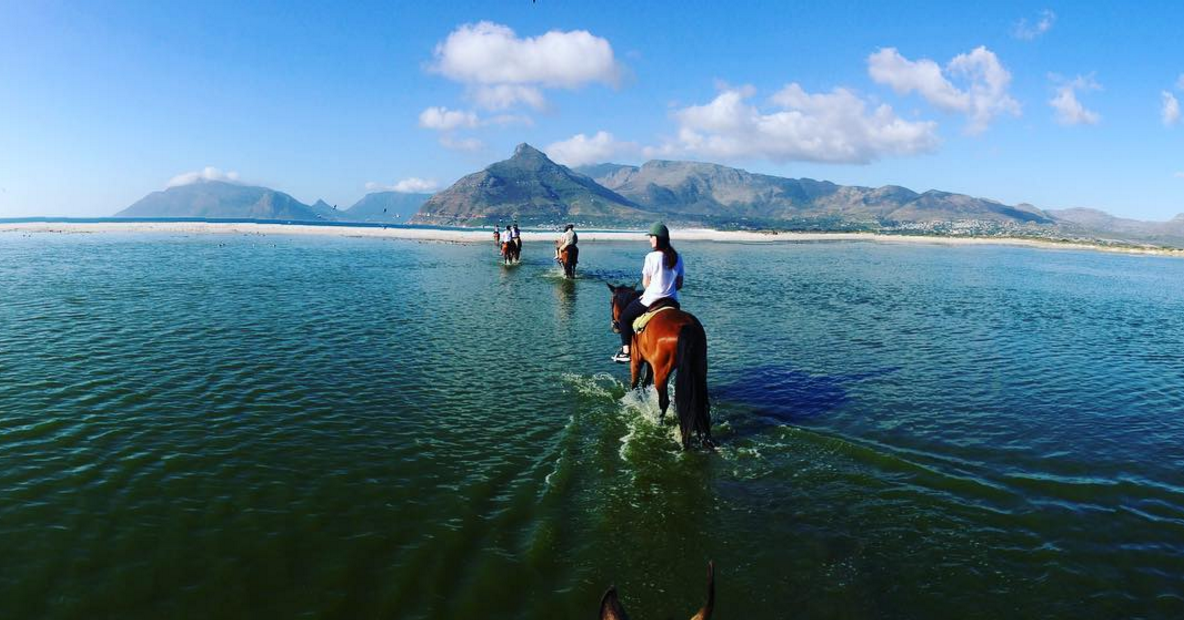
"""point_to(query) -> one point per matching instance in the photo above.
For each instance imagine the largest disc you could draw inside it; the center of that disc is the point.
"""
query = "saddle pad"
(643, 320)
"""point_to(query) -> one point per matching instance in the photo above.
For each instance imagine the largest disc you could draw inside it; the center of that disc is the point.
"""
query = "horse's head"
(611, 609)
(622, 296)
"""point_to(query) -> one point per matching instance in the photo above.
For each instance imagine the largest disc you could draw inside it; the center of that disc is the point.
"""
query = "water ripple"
(282, 426)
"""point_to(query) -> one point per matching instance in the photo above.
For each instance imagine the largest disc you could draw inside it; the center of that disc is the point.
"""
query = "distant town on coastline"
(532, 190)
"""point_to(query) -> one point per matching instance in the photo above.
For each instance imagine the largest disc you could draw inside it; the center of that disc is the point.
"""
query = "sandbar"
(484, 235)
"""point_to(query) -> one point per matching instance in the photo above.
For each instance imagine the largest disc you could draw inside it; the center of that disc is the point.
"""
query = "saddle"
(659, 306)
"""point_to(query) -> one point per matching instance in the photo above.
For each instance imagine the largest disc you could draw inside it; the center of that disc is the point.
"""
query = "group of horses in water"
(673, 342)
(510, 249)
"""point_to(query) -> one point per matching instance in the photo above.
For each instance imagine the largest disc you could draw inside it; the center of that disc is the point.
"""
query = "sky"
(1054, 104)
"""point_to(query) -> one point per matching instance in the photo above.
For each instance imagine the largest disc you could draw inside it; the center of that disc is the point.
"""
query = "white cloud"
(581, 149)
(887, 66)
(449, 122)
(461, 144)
(1171, 109)
(489, 53)
(209, 173)
(832, 127)
(509, 119)
(1029, 31)
(443, 119)
(988, 86)
(1069, 111)
(416, 185)
(502, 70)
(411, 185)
(502, 96)
(984, 97)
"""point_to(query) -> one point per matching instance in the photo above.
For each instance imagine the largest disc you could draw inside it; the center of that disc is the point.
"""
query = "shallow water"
(217, 426)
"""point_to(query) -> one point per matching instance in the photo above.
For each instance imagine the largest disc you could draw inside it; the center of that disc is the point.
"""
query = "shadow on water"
(615, 277)
(781, 395)
(786, 395)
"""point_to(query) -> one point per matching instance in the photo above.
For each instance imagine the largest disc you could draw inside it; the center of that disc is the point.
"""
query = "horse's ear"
(610, 606)
(610, 287)
(709, 606)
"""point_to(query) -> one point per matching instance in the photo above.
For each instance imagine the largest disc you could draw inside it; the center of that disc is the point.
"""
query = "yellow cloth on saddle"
(643, 320)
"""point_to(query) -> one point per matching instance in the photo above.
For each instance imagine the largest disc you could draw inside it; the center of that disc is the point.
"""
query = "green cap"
(659, 230)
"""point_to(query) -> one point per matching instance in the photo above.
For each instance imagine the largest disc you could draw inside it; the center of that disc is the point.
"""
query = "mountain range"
(1098, 222)
(692, 190)
(217, 199)
(222, 200)
(532, 190)
(397, 207)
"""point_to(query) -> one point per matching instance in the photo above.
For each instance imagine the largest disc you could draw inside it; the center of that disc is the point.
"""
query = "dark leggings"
(628, 315)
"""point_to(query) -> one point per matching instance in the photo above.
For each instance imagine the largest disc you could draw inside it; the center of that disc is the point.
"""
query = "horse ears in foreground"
(611, 609)
(610, 606)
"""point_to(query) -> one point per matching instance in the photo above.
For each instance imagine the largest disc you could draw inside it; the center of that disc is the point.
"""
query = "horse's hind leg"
(662, 383)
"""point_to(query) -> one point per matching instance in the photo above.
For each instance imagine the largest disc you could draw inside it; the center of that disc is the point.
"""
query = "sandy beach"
(483, 235)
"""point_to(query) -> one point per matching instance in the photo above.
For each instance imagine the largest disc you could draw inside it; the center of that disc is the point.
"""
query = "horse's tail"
(690, 382)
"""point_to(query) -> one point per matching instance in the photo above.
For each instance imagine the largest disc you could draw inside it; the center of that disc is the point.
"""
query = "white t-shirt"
(662, 280)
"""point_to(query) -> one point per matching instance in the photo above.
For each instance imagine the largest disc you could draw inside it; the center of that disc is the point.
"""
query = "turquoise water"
(270, 426)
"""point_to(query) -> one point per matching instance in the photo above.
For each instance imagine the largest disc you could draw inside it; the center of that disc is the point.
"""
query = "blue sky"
(1058, 105)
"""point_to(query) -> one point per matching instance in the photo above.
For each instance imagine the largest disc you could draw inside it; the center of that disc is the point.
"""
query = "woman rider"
(661, 275)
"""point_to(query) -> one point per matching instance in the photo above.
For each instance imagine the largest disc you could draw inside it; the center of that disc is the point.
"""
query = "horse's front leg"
(635, 364)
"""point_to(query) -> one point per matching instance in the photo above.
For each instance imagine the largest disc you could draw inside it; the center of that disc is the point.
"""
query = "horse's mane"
(626, 294)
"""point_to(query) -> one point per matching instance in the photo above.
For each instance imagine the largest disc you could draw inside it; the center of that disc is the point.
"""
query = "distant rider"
(661, 275)
(568, 242)
(508, 244)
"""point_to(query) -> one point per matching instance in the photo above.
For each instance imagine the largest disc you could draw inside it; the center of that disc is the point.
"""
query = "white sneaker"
(621, 357)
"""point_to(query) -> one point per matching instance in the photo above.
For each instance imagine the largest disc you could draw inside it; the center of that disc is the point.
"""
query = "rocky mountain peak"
(525, 151)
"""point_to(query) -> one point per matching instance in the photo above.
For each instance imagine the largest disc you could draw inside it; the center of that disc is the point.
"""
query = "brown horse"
(568, 257)
(611, 609)
(672, 341)
(511, 252)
